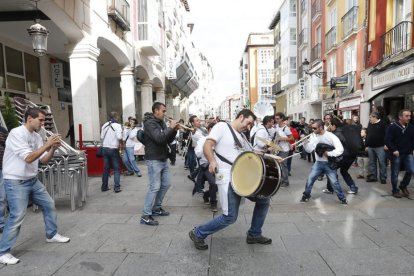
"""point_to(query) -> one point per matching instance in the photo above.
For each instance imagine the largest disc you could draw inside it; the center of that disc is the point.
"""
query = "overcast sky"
(221, 29)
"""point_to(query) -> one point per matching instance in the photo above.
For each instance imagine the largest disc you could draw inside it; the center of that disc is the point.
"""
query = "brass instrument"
(302, 140)
(182, 126)
(272, 146)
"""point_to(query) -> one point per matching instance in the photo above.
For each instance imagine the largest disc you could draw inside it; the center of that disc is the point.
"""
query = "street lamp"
(39, 35)
(305, 65)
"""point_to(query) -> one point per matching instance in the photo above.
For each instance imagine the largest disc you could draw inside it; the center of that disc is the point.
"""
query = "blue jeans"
(323, 167)
(111, 156)
(396, 162)
(373, 155)
(2, 200)
(129, 160)
(159, 183)
(344, 166)
(219, 222)
(18, 193)
(192, 161)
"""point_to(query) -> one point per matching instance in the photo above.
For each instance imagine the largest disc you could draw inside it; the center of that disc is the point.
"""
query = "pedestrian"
(292, 147)
(157, 138)
(323, 163)
(362, 157)
(262, 134)
(111, 136)
(375, 142)
(196, 134)
(24, 149)
(228, 143)
(3, 136)
(129, 135)
(283, 136)
(399, 139)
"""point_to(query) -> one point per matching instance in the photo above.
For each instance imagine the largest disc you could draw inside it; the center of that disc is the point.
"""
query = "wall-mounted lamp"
(305, 65)
(39, 35)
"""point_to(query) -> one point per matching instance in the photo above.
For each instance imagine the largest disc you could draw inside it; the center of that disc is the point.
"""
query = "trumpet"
(182, 126)
(64, 147)
(302, 140)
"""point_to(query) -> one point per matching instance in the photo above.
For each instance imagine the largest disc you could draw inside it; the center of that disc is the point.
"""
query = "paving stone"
(356, 226)
(92, 264)
(337, 215)
(138, 244)
(352, 240)
(386, 261)
(388, 224)
(36, 263)
(389, 238)
(274, 263)
(283, 217)
(164, 264)
(308, 242)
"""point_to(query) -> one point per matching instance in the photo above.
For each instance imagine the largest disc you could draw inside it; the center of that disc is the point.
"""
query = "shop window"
(15, 83)
(14, 61)
(32, 70)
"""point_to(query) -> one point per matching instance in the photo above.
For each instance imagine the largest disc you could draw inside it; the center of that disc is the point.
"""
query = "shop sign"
(329, 106)
(325, 90)
(393, 76)
(339, 83)
(57, 75)
(349, 103)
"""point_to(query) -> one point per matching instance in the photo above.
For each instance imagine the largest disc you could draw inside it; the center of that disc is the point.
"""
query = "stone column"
(146, 97)
(169, 105)
(160, 94)
(128, 95)
(84, 84)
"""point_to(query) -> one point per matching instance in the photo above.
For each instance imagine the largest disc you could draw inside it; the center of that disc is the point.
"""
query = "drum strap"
(222, 158)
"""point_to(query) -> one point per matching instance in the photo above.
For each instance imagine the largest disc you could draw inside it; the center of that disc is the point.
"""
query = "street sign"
(339, 83)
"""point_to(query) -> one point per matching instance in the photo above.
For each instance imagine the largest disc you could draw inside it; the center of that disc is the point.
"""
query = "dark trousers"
(344, 166)
(173, 153)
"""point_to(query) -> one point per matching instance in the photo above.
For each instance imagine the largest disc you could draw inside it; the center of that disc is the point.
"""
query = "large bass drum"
(253, 175)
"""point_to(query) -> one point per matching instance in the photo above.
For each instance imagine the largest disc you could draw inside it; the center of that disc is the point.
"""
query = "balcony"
(316, 53)
(303, 37)
(330, 39)
(316, 9)
(350, 21)
(118, 10)
(303, 6)
(277, 88)
(396, 40)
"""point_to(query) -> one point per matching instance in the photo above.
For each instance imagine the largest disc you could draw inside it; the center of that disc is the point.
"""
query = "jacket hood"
(149, 116)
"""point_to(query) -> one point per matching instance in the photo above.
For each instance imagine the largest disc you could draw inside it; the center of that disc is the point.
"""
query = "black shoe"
(397, 194)
(404, 192)
(118, 191)
(206, 200)
(304, 199)
(383, 181)
(104, 189)
(260, 239)
(198, 243)
(289, 174)
(129, 173)
(213, 207)
(148, 220)
(172, 163)
(344, 201)
(160, 212)
(371, 180)
(191, 178)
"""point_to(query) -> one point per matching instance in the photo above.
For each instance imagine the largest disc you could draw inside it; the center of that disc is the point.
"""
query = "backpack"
(141, 136)
(353, 140)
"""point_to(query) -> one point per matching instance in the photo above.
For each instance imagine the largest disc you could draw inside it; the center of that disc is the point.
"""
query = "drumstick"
(283, 159)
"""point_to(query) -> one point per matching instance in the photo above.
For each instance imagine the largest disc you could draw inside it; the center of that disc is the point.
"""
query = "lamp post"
(305, 65)
(39, 35)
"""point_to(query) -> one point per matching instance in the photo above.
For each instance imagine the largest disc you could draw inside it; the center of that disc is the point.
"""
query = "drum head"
(247, 174)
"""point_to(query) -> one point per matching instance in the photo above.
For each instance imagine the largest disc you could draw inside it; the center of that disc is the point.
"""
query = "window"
(292, 36)
(318, 34)
(292, 7)
(292, 65)
(349, 4)
(332, 18)
(32, 69)
(14, 69)
(349, 59)
(331, 67)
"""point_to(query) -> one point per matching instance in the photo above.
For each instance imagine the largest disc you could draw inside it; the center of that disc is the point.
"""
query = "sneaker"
(139, 174)
(198, 243)
(118, 191)
(260, 239)
(396, 195)
(58, 238)
(405, 192)
(383, 181)
(344, 201)
(160, 212)
(213, 207)
(320, 178)
(148, 220)
(304, 199)
(206, 201)
(8, 259)
(185, 168)
(129, 173)
(350, 192)
(326, 191)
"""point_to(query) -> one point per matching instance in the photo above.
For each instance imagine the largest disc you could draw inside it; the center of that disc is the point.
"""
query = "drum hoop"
(279, 181)
(262, 178)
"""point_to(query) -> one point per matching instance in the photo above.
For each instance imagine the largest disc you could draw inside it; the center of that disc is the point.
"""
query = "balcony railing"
(303, 37)
(316, 9)
(331, 38)
(316, 53)
(396, 40)
(350, 21)
(303, 6)
(277, 88)
(118, 10)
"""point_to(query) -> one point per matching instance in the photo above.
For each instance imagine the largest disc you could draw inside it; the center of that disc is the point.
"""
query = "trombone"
(302, 140)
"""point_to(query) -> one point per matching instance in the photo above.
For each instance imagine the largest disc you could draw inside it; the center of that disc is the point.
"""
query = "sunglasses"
(314, 128)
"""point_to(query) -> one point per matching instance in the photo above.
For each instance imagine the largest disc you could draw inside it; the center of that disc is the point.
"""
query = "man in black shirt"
(375, 143)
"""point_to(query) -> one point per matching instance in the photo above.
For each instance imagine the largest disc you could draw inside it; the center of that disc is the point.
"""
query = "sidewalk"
(373, 235)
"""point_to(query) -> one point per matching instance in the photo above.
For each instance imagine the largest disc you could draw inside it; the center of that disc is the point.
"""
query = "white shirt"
(19, 144)
(130, 134)
(327, 138)
(283, 132)
(112, 136)
(199, 150)
(261, 132)
(196, 136)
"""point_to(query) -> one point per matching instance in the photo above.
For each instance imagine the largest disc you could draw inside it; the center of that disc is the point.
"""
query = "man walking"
(283, 136)
(228, 142)
(399, 139)
(111, 136)
(323, 164)
(157, 138)
(24, 150)
(375, 143)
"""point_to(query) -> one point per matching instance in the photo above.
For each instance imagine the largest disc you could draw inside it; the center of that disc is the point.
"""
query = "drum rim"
(280, 180)
(259, 187)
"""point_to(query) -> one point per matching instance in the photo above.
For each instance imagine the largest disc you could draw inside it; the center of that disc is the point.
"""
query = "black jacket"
(157, 138)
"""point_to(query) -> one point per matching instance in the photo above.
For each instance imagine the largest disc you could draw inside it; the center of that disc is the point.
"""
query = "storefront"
(349, 107)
